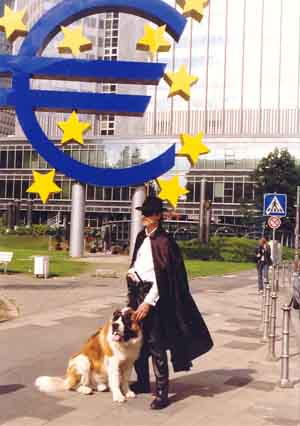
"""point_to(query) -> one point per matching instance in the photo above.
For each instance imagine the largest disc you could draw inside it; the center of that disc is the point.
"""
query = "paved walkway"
(233, 384)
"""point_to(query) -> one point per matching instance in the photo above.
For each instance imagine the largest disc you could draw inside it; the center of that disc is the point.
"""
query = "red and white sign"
(274, 222)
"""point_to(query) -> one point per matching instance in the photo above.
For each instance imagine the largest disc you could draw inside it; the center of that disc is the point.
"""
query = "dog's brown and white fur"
(105, 361)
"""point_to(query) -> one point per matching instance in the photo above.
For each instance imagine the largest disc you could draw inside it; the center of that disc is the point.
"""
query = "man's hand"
(132, 276)
(142, 311)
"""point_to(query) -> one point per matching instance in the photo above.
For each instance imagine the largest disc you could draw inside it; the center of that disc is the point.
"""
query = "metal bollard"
(277, 277)
(283, 274)
(263, 308)
(290, 274)
(273, 277)
(285, 349)
(267, 315)
(272, 334)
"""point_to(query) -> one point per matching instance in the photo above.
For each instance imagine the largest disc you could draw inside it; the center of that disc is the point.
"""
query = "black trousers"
(153, 346)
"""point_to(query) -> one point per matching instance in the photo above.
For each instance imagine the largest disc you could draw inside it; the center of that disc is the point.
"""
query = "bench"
(5, 259)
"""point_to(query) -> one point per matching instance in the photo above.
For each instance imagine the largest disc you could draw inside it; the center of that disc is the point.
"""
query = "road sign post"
(274, 222)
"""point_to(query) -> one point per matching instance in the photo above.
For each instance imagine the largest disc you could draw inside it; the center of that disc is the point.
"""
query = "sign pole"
(274, 249)
(296, 256)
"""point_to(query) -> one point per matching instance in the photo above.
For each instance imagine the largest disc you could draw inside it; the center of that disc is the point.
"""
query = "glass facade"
(246, 54)
(224, 188)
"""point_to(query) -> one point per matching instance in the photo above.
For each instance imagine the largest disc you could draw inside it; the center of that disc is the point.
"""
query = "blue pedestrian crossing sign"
(275, 204)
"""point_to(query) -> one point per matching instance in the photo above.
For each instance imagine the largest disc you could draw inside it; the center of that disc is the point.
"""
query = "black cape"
(182, 326)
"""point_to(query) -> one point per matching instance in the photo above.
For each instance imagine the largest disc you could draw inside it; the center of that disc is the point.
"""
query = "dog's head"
(124, 326)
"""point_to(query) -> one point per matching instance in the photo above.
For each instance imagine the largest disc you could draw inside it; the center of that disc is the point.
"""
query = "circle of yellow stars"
(153, 41)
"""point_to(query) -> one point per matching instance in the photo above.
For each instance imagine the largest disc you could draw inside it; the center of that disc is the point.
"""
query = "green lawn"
(24, 248)
(202, 268)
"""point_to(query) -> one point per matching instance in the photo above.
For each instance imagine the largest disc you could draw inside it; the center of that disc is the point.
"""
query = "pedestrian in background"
(263, 262)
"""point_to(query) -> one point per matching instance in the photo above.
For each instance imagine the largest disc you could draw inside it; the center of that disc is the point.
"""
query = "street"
(232, 384)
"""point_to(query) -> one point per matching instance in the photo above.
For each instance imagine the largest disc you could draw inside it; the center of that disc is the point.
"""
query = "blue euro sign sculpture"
(28, 63)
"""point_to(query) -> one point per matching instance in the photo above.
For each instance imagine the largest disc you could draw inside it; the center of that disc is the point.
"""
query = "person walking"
(158, 291)
(263, 262)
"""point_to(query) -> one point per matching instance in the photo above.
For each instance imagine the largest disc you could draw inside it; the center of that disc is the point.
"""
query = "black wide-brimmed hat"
(151, 205)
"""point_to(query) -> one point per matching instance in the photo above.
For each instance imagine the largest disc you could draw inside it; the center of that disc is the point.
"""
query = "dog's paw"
(130, 394)
(119, 398)
(85, 390)
(101, 388)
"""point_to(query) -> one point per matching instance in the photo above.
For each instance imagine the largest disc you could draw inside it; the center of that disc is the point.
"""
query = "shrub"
(194, 250)
(234, 249)
(229, 249)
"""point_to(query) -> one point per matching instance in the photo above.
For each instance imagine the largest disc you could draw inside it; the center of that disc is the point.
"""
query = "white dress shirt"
(144, 266)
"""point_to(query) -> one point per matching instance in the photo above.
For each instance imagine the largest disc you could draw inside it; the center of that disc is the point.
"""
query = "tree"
(279, 173)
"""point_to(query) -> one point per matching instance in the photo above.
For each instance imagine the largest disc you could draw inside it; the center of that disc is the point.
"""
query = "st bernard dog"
(105, 361)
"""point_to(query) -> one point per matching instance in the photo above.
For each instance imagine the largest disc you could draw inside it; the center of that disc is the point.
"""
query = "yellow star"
(44, 185)
(180, 82)
(171, 190)
(193, 8)
(154, 40)
(74, 41)
(193, 147)
(12, 24)
(73, 129)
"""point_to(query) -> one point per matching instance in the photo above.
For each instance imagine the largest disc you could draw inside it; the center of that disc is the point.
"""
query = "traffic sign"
(275, 204)
(274, 222)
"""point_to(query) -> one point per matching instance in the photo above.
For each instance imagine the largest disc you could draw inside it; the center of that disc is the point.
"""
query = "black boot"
(142, 385)
(161, 371)
(161, 400)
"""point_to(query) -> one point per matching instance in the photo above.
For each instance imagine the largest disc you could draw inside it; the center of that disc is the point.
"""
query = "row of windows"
(222, 192)
(218, 192)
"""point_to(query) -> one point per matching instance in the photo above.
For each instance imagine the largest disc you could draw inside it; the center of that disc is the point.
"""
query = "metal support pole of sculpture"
(77, 220)
(267, 315)
(272, 335)
(202, 211)
(285, 381)
(136, 216)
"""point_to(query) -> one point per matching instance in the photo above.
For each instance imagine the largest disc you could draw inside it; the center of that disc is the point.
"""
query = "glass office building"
(7, 117)
(246, 54)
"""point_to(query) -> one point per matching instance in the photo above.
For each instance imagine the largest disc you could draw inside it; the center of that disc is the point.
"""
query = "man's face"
(151, 219)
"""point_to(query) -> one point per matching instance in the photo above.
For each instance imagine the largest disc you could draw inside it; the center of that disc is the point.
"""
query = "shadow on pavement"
(39, 286)
(209, 383)
(10, 388)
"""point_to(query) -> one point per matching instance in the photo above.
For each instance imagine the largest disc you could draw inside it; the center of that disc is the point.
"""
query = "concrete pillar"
(77, 220)
(136, 216)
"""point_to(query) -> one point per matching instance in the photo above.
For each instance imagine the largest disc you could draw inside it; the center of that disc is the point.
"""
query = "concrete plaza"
(231, 385)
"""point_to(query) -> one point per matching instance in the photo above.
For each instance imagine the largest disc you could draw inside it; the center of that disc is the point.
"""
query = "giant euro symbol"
(29, 64)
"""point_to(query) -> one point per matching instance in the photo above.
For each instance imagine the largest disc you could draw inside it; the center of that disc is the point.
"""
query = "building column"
(77, 220)
(9, 223)
(17, 212)
(136, 216)
(29, 214)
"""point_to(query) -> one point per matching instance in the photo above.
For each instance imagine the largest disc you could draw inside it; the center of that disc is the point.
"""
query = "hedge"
(228, 249)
